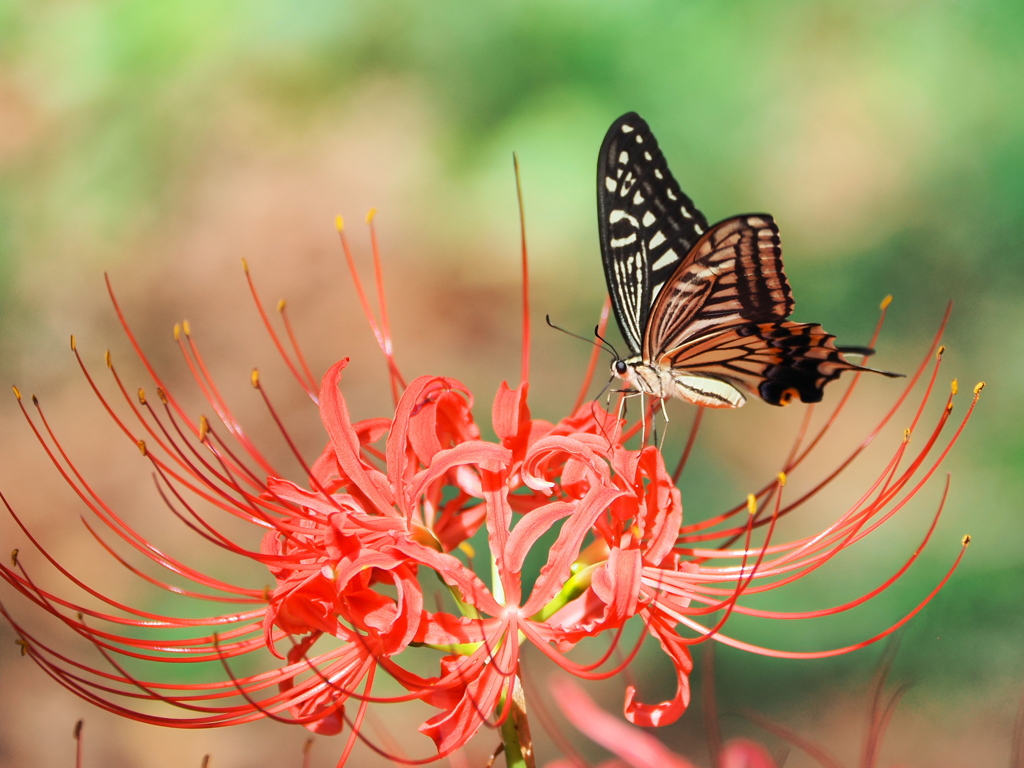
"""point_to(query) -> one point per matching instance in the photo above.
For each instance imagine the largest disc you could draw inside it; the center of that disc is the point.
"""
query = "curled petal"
(487, 456)
(617, 584)
(531, 528)
(302, 604)
(638, 749)
(510, 414)
(669, 711)
(346, 445)
(566, 549)
(485, 684)
(323, 713)
(549, 455)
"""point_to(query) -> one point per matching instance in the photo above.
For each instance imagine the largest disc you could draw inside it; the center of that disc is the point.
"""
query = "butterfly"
(702, 308)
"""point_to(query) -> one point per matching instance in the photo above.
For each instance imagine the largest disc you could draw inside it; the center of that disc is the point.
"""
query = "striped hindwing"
(732, 276)
(777, 361)
(647, 225)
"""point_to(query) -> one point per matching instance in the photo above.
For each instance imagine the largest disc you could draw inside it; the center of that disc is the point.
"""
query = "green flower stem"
(515, 732)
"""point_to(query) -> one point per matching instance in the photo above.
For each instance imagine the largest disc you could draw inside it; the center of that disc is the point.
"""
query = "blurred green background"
(161, 142)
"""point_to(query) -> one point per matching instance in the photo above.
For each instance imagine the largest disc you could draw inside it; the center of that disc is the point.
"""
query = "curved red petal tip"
(637, 748)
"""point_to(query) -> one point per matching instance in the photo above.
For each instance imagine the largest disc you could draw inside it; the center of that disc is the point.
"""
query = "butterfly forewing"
(647, 225)
(732, 276)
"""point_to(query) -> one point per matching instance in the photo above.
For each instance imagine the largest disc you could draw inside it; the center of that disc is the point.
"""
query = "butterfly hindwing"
(732, 276)
(777, 361)
(647, 224)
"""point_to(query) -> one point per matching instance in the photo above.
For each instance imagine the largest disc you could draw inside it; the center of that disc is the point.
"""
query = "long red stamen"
(305, 379)
(525, 265)
(383, 341)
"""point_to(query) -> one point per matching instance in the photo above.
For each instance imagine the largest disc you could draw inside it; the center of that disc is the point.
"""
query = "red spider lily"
(386, 513)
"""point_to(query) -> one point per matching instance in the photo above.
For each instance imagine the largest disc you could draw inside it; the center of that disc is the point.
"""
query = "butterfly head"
(641, 377)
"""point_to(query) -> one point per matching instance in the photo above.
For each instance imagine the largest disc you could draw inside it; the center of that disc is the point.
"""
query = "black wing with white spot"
(646, 224)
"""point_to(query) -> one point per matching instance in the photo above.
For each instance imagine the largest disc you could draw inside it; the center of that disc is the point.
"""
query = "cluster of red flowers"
(377, 551)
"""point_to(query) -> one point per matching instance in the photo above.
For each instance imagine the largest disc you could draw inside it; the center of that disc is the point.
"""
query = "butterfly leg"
(628, 394)
(664, 413)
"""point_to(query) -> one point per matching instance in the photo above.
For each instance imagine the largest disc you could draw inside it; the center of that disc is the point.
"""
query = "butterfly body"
(662, 382)
(702, 308)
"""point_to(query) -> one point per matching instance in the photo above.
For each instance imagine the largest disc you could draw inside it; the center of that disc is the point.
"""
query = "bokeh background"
(162, 142)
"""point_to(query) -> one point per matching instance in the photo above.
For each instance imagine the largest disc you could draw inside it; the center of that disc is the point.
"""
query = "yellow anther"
(370, 215)
(177, 331)
(339, 223)
(281, 305)
(245, 266)
(14, 558)
(254, 377)
(17, 393)
(142, 396)
(74, 346)
(751, 503)
(782, 479)
(204, 428)
(467, 548)
(186, 327)
(966, 540)
(108, 359)
(142, 447)
(949, 406)
(885, 303)
(979, 386)
(906, 435)
(955, 386)
(162, 395)
(24, 646)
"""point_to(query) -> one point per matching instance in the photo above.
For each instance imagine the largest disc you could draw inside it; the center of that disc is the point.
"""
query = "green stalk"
(515, 732)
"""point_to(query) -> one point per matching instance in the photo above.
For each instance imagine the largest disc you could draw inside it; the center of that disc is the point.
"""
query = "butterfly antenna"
(604, 344)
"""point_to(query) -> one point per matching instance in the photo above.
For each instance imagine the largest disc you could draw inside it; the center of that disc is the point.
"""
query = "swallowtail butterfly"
(702, 309)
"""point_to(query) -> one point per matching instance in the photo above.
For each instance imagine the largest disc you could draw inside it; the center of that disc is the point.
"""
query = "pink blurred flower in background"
(374, 552)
